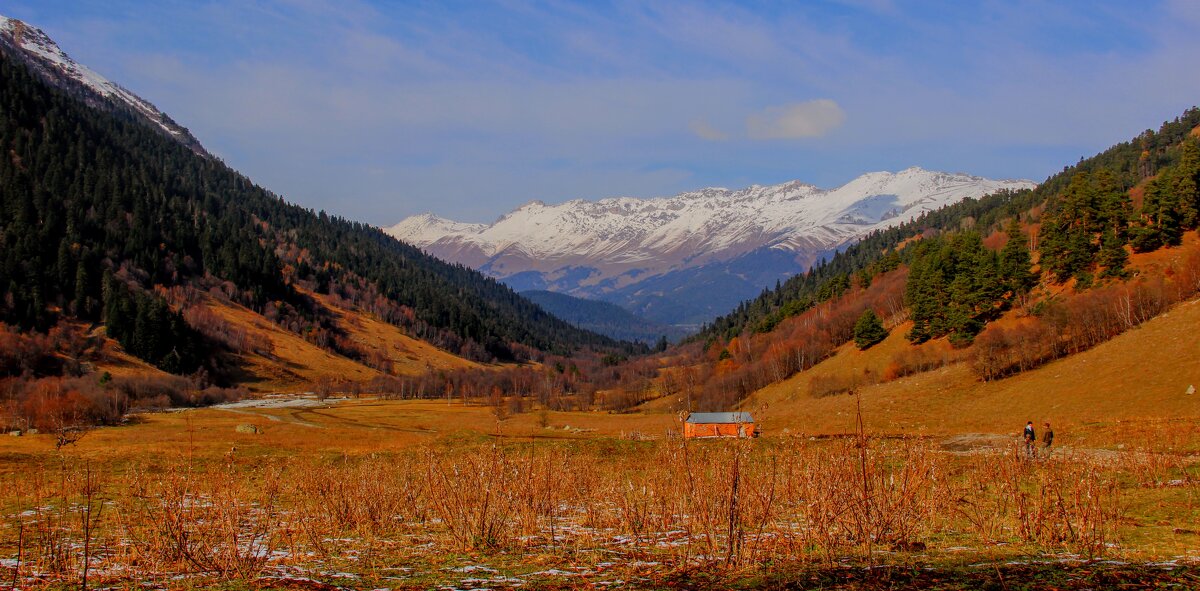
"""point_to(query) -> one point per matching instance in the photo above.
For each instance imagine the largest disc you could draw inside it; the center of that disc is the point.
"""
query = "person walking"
(1047, 440)
(1030, 440)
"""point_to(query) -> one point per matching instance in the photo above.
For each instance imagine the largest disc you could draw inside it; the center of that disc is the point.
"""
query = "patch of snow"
(38, 44)
(274, 403)
(474, 568)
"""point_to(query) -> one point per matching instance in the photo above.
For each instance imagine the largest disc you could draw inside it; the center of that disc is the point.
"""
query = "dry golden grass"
(1090, 398)
(295, 363)
(365, 487)
(409, 356)
(1140, 375)
(120, 364)
(337, 427)
(608, 509)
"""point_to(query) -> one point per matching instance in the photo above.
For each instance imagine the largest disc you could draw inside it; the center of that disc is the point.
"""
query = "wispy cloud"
(704, 130)
(376, 110)
(795, 121)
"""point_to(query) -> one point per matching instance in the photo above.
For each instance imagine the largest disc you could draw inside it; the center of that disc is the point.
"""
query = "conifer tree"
(1146, 235)
(1113, 205)
(1113, 256)
(868, 330)
(1053, 244)
(921, 294)
(1186, 184)
(1015, 262)
(1159, 223)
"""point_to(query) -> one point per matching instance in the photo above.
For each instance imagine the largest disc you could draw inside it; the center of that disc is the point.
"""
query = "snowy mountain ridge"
(607, 249)
(37, 50)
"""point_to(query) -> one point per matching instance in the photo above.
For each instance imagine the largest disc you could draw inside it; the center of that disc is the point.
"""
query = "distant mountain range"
(43, 56)
(686, 259)
(603, 317)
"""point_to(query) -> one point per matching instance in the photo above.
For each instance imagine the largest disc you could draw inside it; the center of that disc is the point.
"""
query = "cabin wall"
(691, 430)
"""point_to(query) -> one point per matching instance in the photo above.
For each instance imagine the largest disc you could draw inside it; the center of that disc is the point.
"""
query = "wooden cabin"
(719, 424)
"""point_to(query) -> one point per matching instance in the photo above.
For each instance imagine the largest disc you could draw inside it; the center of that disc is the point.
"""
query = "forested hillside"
(105, 221)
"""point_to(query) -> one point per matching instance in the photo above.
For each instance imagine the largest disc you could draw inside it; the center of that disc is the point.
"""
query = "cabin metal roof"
(720, 417)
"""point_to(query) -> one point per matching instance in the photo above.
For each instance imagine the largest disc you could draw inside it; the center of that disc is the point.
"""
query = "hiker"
(1047, 440)
(1030, 439)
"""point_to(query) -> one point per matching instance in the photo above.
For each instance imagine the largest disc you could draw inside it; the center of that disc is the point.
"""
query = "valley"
(206, 384)
(338, 468)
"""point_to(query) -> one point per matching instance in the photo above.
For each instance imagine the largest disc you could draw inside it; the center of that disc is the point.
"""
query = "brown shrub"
(1080, 322)
(920, 359)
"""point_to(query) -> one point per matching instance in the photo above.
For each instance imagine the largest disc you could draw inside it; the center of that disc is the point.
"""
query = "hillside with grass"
(1134, 381)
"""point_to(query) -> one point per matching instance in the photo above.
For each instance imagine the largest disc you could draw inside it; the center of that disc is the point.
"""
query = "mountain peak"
(598, 248)
(40, 53)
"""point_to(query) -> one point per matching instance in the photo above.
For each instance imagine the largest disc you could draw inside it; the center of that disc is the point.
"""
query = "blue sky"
(376, 111)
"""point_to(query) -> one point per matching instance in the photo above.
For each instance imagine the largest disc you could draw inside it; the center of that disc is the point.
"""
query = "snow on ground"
(276, 402)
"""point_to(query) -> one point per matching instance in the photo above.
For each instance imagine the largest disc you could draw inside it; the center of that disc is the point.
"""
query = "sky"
(380, 110)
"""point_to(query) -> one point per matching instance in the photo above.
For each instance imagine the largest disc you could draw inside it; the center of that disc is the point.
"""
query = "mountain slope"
(647, 254)
(1137, 375)
(602, 317)
(106, 220)
(42, 55)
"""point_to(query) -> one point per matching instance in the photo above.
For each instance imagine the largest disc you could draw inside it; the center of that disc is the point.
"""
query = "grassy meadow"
(422, 494)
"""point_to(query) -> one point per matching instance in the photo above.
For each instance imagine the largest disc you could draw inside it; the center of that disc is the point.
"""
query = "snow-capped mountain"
(40, 53)
(647, 254)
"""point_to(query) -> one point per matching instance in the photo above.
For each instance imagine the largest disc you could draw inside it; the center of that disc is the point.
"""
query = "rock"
(1191, 389)
(32, 432)
(14, 433)
(249, 429)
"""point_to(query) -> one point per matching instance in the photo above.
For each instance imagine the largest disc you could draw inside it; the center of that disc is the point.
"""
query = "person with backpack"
(1030, 440)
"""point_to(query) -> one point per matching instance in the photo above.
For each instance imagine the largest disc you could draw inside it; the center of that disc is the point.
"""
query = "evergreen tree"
(1113, 205)
(1072, 230)
(1113, 256)
(1146, 236)
(1053, 244)
(1186, 184)
(921, 295)
(868, 330)
(1015, 262)
(954, 287)
(81, 307)
(1158, 223)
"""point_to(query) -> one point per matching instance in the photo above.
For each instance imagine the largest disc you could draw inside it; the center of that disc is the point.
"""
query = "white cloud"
(703, 130)
(798, 120)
